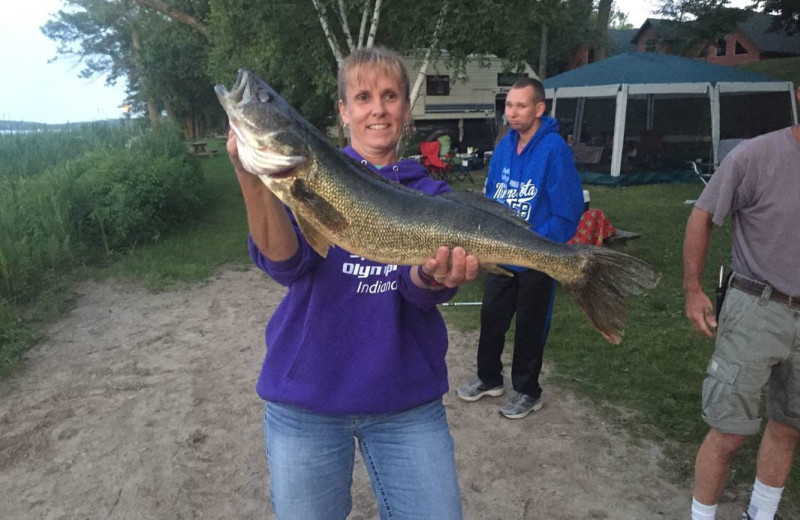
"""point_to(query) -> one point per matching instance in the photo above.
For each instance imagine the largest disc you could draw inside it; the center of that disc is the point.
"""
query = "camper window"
(437, 85)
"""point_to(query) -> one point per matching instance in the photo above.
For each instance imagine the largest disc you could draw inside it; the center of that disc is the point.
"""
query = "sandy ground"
(141, 406)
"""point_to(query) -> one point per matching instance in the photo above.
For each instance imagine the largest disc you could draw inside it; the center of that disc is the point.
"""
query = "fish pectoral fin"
(496, 269)
(321, 208)
(314, 237)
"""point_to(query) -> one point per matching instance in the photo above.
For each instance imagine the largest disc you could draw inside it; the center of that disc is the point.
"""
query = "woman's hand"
(450, 269)
(269, 223)
(233, 154)
(233, 151)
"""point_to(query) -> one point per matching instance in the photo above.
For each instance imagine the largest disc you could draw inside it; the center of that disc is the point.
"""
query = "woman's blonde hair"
(376, 58)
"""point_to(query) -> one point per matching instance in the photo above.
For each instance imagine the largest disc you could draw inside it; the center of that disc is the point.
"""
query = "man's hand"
(700, 312)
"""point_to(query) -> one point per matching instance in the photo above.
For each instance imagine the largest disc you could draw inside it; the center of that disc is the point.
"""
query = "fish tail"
(608, 278)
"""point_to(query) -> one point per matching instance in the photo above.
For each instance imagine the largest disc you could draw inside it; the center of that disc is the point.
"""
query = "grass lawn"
(650, 384)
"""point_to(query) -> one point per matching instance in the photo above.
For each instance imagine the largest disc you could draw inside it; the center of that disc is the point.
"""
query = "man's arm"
(566, 197)
(699, 309)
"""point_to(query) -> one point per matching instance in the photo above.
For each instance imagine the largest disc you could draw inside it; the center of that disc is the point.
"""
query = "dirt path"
(142, 406)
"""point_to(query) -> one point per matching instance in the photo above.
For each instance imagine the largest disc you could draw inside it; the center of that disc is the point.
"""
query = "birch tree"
(372, 12)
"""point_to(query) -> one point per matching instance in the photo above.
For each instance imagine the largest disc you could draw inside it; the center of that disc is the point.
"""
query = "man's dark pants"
(530, 295)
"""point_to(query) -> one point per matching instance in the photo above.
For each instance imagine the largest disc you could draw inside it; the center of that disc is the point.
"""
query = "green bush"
(133, 195)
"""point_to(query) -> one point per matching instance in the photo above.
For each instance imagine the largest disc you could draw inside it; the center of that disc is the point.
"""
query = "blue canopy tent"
(647, 77)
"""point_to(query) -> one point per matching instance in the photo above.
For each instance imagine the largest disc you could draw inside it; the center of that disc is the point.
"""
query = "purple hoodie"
(353, 336)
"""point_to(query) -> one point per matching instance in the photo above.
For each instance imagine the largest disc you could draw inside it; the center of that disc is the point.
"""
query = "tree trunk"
(373, 30)
(363, 29)
(603, 14)
(414, 94)
(152, 108)
(329, 35)
(543, 54)
(152, 115)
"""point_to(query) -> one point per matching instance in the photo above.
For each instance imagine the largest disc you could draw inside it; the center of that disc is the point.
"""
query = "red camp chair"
(431, 160)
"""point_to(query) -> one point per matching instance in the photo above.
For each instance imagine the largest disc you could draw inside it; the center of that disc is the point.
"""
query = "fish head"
(271, 137)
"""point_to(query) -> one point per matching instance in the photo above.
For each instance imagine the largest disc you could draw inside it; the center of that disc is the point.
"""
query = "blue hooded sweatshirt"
(541, 184)
(353, 336)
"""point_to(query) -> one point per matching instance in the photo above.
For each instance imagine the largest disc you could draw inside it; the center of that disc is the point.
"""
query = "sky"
(31, 89)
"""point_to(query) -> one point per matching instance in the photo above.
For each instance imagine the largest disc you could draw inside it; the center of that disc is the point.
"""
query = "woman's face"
(375, 108)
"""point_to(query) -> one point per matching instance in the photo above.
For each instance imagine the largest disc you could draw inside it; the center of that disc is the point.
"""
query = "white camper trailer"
(466, 104)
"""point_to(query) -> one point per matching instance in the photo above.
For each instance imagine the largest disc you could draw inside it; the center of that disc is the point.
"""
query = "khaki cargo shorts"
(758, 344)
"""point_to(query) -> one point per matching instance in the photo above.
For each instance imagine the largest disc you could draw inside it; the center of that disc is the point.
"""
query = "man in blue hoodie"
(533, 172)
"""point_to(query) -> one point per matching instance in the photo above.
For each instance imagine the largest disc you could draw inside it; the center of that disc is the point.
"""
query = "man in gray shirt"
(758, 335)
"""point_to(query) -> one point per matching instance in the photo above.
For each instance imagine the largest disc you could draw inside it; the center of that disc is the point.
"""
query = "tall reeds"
(31, 153)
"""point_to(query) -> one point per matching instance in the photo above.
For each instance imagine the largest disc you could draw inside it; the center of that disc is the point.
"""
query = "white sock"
(702, 511)
(764, 501)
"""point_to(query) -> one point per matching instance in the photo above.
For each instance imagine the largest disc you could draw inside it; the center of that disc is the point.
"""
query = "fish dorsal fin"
(480, 202)
(314, 238)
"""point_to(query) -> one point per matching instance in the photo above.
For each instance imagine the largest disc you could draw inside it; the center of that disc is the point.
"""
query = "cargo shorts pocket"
(723, 369)
(726, 406)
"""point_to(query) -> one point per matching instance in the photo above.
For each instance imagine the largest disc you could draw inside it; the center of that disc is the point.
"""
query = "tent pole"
(651, 107)
(794, 103)
(576, 132)
(713, 96)
(619, 130)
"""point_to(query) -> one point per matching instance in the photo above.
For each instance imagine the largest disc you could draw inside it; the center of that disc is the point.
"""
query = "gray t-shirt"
(758, 184)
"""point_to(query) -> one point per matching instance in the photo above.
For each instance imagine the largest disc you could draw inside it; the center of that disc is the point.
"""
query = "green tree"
(164, 64)
(174, 60)
(171, 51)
(104, 35)
(99, 34)
(283, 43)
(619, 20)
(703, 22)
(788, 12)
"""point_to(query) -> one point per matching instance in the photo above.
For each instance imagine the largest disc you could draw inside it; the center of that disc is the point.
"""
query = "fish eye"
(264, 97)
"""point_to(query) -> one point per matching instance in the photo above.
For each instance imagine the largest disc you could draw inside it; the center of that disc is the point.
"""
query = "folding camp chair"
(460, 171)
(701, 170)
(431, 160)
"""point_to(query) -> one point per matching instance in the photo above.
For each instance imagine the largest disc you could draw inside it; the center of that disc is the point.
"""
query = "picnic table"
(200, 149)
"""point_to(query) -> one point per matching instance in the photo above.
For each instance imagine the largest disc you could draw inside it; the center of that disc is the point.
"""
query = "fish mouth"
(248, 105)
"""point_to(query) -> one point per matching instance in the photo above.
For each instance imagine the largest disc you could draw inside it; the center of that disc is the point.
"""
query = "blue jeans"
(408, 455)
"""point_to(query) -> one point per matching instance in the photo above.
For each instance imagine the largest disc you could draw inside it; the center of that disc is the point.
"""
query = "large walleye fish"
(337, 201)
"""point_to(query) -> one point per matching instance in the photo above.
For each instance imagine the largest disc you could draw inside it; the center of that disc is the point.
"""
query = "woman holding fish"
(356, 350)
